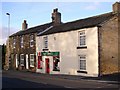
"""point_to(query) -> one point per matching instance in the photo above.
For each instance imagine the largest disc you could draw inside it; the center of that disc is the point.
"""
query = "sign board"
(50, 53)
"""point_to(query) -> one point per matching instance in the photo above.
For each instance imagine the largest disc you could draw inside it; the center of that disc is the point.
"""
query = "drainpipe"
(99, 51)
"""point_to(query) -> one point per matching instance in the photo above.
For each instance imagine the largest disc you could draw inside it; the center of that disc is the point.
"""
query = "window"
(45, 42)
(56, 63)
(31, 60)
(82, 60)
(31, 40)
(82, 38)
(22, 59)
(21, 42)
(14, 41)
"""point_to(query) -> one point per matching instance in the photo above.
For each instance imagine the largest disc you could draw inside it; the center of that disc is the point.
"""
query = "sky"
(37, 13)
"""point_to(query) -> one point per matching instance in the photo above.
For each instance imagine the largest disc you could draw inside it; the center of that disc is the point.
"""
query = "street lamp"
(8, 43)
(8, 23)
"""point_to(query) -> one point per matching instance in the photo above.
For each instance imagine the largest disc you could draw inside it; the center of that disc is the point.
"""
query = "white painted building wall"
(66, 43)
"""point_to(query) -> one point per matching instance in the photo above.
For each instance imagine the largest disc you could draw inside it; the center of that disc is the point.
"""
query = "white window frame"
(82, 62)
(22, 59)
(21, 41)
(82, 38)
(14, 42)
(32, 60)
(31, 40)
(45, 42)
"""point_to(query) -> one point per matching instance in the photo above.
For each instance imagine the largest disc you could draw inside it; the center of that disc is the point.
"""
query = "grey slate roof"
(64, 27)
(35, 29)
(79, 24)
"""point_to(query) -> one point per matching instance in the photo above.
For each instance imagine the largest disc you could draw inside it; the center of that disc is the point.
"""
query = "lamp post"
(8, 43)
(8, 23)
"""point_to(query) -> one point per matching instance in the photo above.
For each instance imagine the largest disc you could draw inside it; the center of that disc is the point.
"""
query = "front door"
(27, 61)
(39, 62)
(47, 65)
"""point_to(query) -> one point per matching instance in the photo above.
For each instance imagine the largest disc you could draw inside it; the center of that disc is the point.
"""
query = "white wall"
(91, 52)
(66, 43)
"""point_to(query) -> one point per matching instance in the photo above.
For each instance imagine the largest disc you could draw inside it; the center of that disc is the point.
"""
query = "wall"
(66, 43)
(91, 51)
(109, 47)
(18, 50)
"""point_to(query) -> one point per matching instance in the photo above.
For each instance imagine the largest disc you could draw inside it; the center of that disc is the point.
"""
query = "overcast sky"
(37, 13)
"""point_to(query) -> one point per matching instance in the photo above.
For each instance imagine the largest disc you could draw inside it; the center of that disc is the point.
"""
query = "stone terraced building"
(87, 47)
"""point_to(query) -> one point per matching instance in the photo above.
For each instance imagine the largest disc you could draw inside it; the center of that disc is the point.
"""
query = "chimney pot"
(24, 25)
(55, 10)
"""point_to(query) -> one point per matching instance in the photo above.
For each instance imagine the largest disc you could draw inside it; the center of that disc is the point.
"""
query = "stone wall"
(11, 51)
(108, 37)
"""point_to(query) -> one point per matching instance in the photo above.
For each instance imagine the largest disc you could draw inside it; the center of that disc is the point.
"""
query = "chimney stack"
(116, 7)
(24, 25)
(56, 17)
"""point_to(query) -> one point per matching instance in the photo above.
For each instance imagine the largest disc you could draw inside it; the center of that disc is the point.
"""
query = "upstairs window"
(45, 42)
(14, 42)
(31, 40)
(21, 42)
(82, 39)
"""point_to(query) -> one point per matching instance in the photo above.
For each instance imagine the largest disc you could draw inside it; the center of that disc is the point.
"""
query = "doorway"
(47, 65)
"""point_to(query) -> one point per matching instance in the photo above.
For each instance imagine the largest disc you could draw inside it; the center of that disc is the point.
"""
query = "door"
(47, 65)
(27, 61)
(39, 62)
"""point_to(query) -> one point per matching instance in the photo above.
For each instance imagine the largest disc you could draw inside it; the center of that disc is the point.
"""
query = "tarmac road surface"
(18, 79)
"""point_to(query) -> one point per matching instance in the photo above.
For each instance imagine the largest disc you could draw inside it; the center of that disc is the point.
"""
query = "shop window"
(22, 59)
(31, 60)
(56, 63)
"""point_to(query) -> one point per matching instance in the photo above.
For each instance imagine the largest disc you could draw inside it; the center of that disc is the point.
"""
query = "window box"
(56, 70)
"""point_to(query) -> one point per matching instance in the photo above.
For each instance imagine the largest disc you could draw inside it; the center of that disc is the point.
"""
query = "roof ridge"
(89, 17)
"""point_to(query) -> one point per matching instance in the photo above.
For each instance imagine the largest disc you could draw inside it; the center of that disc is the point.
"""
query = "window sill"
(32, 66)
(31, 46)
(81, 71)
(82, 47)
(40, 68)
(55, 70)
(45, 49)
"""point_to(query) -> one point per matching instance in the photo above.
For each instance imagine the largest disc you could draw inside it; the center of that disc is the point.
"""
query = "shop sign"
(50, 53)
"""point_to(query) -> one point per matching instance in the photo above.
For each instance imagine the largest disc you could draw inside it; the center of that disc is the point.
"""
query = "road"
(18, 83)
(16, 79)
